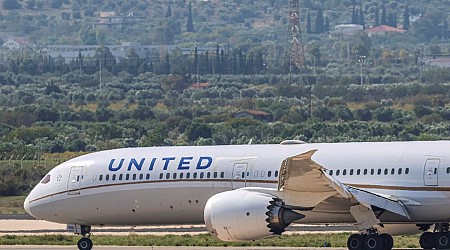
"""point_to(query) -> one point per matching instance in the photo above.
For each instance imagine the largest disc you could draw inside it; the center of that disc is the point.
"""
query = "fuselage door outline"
(431, 172)
(74, 182)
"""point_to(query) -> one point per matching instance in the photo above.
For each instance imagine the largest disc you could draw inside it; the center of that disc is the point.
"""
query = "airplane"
(252, 192)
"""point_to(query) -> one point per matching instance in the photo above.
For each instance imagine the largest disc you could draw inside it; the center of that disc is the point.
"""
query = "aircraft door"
(73, 186)
(239, 175)
(431, 171)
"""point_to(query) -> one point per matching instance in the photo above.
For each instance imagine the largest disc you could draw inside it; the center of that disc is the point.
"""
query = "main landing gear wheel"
(443, 240)
(427, 240)
(388, 241)
(374, 242)
(85, 244)
(355, 242)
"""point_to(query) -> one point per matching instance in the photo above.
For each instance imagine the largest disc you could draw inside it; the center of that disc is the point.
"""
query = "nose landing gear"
(85, 243)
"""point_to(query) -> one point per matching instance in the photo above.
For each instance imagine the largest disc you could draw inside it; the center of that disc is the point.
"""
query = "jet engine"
(242, 215)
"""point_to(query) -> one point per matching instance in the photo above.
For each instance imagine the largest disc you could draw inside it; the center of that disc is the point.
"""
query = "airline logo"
(148, 164)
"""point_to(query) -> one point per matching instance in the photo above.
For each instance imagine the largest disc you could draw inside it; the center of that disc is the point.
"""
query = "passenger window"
(276, 173)
(215, 175)
(120, 177)
(263, 173)
(202, 175)
(393, 171)
(134, 177)
(114, 177)
(174, 176)
(399, 171)
(365, 171)
(100, 177)
(448, 170)
(379, 171)
(248, 173)
(331, 172)
(351, 171)
(107, 177)
(406, 170)
(161, 176)
(269, 174)
(181, 175)
(208, 175)
(194, 175)
(358, 172)
(344, 172)
(386, 171)
(222, 175)
(372, 171)
(168, 176)
(147, 177)
(141, 176)
(338, 172)
(94, 177)
(188, 175)
(127, 177)
(243, 175)
(255, 174)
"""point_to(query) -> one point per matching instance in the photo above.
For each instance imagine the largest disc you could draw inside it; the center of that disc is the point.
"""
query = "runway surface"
(36, 227)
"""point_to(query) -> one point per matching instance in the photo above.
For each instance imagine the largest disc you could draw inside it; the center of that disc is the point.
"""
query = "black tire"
(427, 240)
(388, 241)
(442, 240)
(373, 242)
(85, 244)
(355, 242)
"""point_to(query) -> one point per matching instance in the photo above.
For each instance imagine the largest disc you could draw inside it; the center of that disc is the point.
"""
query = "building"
(109, 18)
(441, 62)
(16, 43)
(254, 114)
(383, 30)
(347, 29)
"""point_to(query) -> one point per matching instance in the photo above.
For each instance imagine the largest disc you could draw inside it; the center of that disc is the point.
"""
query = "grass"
(309, 240)
(12, 205)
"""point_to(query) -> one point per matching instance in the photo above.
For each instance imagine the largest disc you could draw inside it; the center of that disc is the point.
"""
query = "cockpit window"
(46, 179)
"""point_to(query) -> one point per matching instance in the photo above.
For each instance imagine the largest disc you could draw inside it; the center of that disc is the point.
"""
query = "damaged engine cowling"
(241, 215)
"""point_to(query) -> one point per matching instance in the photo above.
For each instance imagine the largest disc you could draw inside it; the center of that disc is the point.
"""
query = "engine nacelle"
(242, 215)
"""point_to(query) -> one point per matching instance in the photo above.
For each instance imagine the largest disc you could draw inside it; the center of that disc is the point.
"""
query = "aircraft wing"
(305, 184)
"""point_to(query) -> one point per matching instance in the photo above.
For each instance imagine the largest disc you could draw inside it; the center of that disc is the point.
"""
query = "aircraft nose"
(26, 205)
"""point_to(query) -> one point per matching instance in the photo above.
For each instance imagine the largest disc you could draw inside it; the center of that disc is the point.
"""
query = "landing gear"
(85, 243)
(370, 241)
(439, 239)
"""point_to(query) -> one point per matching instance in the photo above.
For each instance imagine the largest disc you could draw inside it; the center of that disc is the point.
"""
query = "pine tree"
(406, 23)
(169, 12)
(354, 18)
(190, 23)
(377, 16)
(308, 23)
(392, 20)
(320, 23)
(383, 15)
(361, 18)
(327, 24)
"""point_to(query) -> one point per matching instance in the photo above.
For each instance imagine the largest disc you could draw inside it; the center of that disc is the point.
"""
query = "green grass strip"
(309, 240)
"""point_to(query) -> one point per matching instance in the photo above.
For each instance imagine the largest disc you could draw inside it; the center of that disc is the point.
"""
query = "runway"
(39, 227)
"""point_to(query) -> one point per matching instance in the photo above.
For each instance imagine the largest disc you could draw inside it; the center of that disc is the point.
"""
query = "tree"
(190, 23)
(354, 18)
(169, 12)
(361, 18)
(383, 15)
(377, 16)
(308, 23)
(11, 5)
(406, 23)
(392, 20)
(319, 25)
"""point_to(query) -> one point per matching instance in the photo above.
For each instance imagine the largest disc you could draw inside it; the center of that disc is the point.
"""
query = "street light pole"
(362, 60)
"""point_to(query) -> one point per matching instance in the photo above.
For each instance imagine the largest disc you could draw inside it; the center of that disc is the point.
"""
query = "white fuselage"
(171, 185)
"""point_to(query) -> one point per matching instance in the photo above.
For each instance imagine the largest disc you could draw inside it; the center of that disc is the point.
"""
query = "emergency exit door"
(239, 175)
(73, 186)
(431, 172)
